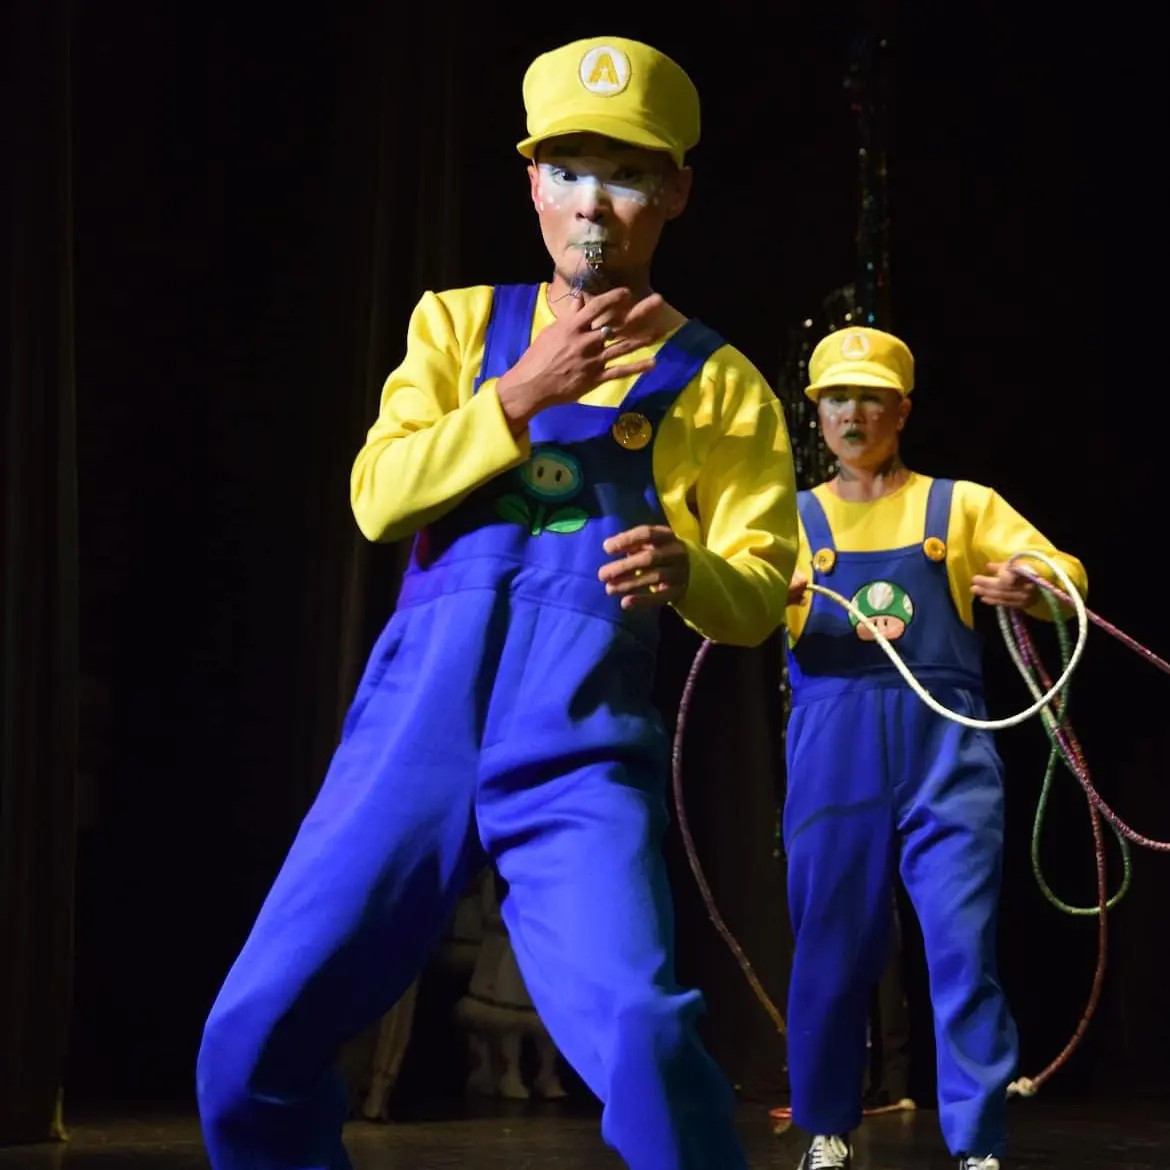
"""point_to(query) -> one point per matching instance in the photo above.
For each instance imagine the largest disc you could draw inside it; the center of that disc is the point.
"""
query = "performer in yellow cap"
(876, 780)
(570, 457)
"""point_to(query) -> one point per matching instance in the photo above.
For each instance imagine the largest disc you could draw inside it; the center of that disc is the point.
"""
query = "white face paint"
(859, 422)
(841, 407)
(583, 184)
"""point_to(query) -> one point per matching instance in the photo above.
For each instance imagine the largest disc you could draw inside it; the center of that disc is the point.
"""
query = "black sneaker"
(969, 1163)
(831, 1153)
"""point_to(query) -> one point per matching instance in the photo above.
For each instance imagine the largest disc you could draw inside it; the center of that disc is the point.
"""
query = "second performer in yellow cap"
(569, 457)
(877, 782)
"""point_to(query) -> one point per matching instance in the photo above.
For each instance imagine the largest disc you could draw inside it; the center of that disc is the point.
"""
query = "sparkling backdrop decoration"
(866, 299)
(863, 301)
(866, 83)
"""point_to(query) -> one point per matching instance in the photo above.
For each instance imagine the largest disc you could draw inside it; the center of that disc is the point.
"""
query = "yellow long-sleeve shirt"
(721, 460)
(983, 528)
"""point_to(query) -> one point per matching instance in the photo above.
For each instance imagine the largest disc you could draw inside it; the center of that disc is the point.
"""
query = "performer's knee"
(243, 1060)
(243, 1063)
(222, 1073)
(251, 1096)
(650, 1035)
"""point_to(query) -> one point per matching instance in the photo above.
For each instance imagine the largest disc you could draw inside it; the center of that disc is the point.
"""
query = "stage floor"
(1047, 1136)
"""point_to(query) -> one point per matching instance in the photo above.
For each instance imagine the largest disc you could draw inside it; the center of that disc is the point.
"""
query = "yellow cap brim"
(853, 375)
(592, 123)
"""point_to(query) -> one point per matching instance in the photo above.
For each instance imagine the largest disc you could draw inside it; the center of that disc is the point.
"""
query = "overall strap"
(938, 509)
(816, 523)
(678, 360)
(509, 329)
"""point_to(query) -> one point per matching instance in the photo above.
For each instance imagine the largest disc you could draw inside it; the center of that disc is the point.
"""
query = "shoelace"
(830, 1153)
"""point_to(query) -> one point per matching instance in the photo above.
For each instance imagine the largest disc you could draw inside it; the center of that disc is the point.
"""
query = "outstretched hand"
(653, 568)
(1005, 586)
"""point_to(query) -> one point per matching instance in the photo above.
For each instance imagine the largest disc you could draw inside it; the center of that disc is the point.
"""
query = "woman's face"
(862, 424)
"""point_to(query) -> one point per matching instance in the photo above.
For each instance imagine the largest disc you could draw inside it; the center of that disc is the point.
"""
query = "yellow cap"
(615, 87)
(861, 357)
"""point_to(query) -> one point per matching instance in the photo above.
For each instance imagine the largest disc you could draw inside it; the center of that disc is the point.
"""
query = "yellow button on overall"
(633, 431)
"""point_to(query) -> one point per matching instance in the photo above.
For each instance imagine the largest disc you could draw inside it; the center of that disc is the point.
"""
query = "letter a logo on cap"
(605, 71)
(855, 346)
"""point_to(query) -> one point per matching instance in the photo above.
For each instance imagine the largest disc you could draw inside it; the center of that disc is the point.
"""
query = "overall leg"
(838, 836)
(893, 1019)
(573, 807)
(591, 920)
(951, 824)
(375, 870)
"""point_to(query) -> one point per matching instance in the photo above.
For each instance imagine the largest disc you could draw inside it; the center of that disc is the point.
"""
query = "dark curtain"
(39, 683)
(392, 221)
(272, 200)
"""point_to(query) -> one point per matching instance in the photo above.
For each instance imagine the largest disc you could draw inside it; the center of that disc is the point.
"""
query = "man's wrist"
(517, 403)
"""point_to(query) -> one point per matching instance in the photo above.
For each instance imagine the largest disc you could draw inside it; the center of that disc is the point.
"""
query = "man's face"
(588, 189)
(861, 424)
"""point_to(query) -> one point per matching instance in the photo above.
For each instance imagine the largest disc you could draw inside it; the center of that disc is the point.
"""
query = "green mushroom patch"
(887, 605)
(548, 481)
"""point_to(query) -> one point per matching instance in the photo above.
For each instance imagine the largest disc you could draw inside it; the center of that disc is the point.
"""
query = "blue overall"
(877, 780)
(504, 711)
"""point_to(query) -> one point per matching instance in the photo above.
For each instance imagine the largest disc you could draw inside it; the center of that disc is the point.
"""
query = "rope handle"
(1041, 702)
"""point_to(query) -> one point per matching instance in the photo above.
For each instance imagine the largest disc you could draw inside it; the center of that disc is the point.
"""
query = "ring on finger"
(606, 332)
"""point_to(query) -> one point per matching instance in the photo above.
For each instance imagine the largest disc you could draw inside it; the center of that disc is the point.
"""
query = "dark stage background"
(221, 219)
